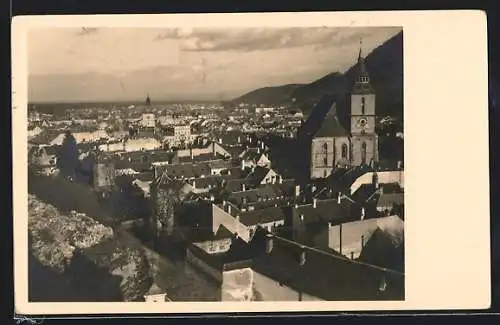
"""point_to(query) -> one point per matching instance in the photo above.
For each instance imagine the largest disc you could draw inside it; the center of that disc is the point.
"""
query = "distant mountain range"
(385, 65)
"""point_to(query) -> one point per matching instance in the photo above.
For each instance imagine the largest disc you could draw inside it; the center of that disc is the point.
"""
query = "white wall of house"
(237, 285)
(221, 217)
(396, 176)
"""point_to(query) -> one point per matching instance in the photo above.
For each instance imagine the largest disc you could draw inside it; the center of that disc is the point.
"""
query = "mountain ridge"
(385, 66)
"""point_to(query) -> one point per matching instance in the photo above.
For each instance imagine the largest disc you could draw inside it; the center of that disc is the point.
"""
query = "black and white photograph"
(250, 163)
(215, 164)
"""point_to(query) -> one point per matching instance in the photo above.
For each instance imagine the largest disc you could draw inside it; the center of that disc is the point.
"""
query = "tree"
(67, 156)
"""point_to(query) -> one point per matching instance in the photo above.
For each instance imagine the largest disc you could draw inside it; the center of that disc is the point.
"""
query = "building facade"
(329, 144)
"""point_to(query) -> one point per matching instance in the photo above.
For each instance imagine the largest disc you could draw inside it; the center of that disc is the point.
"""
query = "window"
(363, 153)
(325, 161)
(325, 146)
(344, 151)
(362, 105)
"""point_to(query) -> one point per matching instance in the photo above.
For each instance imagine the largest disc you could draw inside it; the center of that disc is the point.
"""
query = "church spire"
(360, 55)
(362, 81)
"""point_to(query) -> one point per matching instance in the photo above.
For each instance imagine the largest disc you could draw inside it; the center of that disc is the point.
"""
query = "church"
(331, 144)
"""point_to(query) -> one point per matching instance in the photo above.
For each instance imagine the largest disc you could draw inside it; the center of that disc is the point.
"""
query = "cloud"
(87, 30)
(248, 39)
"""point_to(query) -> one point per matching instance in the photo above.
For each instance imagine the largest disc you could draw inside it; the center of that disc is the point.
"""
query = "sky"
(108, 64)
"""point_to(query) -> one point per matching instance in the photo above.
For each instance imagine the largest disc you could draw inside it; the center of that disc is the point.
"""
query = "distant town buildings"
(226, 191)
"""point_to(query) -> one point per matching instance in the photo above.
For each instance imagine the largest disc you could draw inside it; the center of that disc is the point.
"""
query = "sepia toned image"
(235, 164)
(250, 163)
(215, 164)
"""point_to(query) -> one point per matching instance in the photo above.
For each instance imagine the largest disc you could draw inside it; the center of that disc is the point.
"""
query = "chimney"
(375, 180)
(339, 198)
(262, 145)
(220, 140)
(301, 217)
(280, 180)
(315, 202)
(243, 187)
(362, 213)
(329, 225)
(269, 243)
(212, 197)
(297, 190)
(194, 183)
(258, 150)
(239, 139)
(229, 209)
(242, 165)
(313, 189)
(224, 203)
(302, 257)
(191, 153)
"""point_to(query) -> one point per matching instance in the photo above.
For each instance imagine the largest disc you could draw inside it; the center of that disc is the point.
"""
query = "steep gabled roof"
(326, 275)
(323, 121)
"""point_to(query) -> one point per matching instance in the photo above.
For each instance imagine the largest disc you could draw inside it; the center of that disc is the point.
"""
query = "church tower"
(148, 117)
(148, 104)
(364, 140)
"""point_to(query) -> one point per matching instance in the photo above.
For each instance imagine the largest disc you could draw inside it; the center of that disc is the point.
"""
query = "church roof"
(362, 83)
(323, 121)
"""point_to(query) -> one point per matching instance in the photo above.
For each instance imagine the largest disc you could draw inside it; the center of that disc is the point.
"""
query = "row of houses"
(226, 196)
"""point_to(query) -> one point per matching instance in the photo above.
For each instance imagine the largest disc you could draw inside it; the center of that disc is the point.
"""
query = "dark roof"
(267, 192)
(382, 250)
(213, 181)
(236, 184)
(230, 138)
(255, 217)
(390, 199)
(184, 170)
(325, 211)
(146, 176)
(220, 163)
(238, 252)
(256, 176)
(199, 158)
(362, 72)
(326, 275)
(323, 121)
(140, 160)
(363, 193)
(234, 151)
(223, 232)
(252, 154)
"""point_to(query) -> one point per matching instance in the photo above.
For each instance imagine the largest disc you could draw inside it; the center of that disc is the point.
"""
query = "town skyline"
(200, 63)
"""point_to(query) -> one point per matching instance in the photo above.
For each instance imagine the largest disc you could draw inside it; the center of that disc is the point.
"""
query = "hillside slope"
(385, 65)
(93, 261)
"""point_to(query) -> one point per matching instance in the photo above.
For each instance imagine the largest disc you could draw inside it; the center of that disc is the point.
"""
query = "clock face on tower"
(362, 122)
